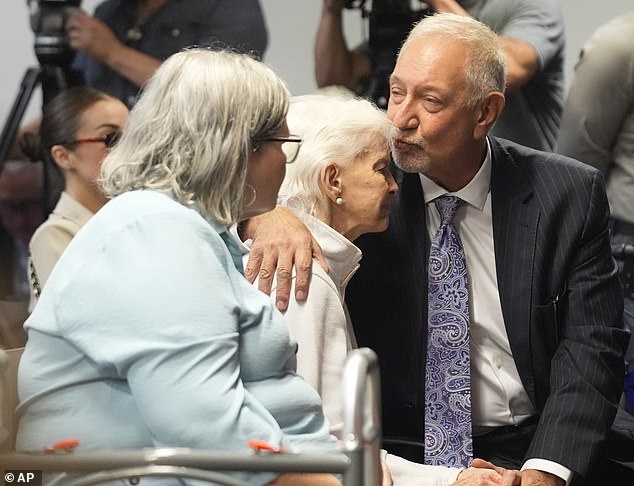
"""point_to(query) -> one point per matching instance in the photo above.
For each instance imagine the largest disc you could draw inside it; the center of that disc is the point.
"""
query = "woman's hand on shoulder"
(281, 241)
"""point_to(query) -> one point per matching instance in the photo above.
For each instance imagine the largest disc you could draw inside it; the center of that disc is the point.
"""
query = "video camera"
(54, 55)
(389, 23)
(48, 19)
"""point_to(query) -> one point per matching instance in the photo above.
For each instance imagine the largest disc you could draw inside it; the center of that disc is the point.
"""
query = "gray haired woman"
(146, 333)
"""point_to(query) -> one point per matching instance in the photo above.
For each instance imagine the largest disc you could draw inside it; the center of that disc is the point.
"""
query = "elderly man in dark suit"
(545, 309)
(542, 300)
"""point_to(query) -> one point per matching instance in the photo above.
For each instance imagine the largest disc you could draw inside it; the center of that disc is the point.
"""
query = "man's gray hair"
(193, 129)
(486, 71)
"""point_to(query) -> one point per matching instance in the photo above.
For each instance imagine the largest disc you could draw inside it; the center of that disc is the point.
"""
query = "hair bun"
(31, 146)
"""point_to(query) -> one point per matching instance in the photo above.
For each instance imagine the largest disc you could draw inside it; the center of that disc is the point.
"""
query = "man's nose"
(403, 115)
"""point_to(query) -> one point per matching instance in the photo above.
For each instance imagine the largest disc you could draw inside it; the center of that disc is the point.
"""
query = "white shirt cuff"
(549, 467)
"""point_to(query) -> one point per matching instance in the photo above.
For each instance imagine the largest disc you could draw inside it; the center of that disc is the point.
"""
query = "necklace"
(145, 10)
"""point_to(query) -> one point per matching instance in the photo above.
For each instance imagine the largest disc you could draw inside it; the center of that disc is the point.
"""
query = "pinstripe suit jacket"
(561, 301)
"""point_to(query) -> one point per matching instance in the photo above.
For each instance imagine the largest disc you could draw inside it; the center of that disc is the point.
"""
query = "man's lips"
(401, 144)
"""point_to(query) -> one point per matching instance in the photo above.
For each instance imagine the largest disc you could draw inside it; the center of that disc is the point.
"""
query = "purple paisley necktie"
(447, 379)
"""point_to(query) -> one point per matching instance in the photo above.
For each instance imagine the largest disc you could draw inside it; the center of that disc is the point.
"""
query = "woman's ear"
(61, 156)
(330, 181)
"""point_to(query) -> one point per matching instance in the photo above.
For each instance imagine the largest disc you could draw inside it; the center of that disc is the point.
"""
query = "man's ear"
(489, 111)
(61, 156)
(330, 181)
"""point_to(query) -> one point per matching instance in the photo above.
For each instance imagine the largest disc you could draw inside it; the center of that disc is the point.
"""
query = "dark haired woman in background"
(78, 127)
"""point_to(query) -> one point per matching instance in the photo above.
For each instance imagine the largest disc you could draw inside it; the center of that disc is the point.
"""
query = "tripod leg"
(31, 78)
(53, 80)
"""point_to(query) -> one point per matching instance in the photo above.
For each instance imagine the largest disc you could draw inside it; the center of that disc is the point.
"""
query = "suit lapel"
(515, 221)
(413, 221)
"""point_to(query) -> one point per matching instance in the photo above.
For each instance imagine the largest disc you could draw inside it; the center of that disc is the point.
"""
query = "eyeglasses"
(109, 139)
(290, 145)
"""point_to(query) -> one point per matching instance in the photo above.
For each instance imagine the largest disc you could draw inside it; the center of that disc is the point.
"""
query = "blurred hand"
(90, 35)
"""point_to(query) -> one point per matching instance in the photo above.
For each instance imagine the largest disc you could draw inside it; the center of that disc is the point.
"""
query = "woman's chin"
(384, 223)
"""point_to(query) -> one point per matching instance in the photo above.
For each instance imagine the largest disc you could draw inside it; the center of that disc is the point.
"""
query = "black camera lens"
(48, 19)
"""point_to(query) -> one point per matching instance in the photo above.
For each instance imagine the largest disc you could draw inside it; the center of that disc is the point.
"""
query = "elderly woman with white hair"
(147, 334)
(340, 186)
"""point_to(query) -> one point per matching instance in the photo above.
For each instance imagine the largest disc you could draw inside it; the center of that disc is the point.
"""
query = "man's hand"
(91, 35)
(281, 240)
(509, 477)
(484, 473)
(532, 477)
(478, 477)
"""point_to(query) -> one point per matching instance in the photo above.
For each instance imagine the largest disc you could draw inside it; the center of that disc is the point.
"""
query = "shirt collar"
(474, 193)
(343, 256)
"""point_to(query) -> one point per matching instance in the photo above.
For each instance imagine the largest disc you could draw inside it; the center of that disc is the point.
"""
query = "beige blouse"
(51, 238)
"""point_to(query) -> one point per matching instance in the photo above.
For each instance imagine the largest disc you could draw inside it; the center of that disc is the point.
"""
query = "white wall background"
(292, 25)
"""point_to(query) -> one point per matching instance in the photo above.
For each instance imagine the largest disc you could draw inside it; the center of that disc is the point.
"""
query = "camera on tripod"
(389, 23)
(48, 20)
(51, 45)
(55, 57)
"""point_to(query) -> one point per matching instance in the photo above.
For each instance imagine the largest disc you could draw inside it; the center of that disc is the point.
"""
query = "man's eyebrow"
(395, 78)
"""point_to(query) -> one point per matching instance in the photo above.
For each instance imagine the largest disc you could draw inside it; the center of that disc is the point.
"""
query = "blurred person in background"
(122, 44)
(597, 127)
(78, 128)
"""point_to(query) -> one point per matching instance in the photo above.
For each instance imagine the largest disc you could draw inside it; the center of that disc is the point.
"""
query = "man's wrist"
(550, 467)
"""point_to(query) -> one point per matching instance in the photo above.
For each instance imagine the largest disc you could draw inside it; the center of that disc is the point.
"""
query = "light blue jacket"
(147, 334)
